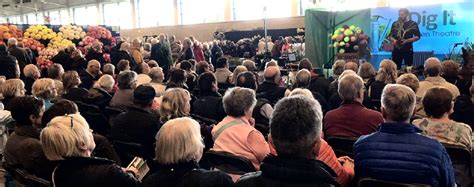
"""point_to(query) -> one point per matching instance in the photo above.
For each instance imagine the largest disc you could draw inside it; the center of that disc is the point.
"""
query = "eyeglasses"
(72, 122)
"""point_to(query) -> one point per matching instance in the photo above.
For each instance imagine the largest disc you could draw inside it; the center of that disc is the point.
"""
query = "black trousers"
(400, 55)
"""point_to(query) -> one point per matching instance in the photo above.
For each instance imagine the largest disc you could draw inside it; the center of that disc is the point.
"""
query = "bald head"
(351, 66)
(93, 67)
(433, 67)
(303, 78)
(272, 74)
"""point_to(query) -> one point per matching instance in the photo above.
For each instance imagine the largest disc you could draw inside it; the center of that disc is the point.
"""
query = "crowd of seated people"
(183, 101)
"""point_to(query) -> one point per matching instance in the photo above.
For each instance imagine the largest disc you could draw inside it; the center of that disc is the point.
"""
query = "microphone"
(456, 44)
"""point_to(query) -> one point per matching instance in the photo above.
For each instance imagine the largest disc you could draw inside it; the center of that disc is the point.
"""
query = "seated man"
(351, 119)
(433, 70)
(270, 89)
(23, 149)
(295, 133)
(90, 75)
(138, 124)
(398, 152)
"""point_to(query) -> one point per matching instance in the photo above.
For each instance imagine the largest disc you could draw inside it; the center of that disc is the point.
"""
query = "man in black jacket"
(90, 75)
(270, 89)
(161, 52)
(295, 133)
(138, 124)
(19, 53)
(8, 64)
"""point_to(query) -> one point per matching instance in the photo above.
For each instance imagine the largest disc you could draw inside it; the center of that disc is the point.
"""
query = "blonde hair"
(387, 72)
(173, 104)
(105, 81)
(42, 88)
(125, 46)
(302, 91)
(29, 70)
(410, 80)
(66, 136)
(109, 69)
(237, 70)
(179, 140)
(12, 88)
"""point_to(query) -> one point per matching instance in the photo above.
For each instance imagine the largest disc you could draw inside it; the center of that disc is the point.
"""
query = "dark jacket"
(99, 97)
(93, 55)
(376, 89)
(216, 53)
(23, 150)
(271, 91)
(28, 84)
(91, 171)
(280, 171)
(87, 80)
(77, 94)
(186, 55)
(8, 65)
(79, 64)
(209, 105)
(464, 110)
(126, 128)
(125, 56)
(351, 120)
(187, 174)
(64, 59)
(161, 53)
(20, 55)
(399, 153)
(319, 84)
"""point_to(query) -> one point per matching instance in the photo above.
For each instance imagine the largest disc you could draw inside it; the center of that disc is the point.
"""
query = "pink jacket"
(241, 140)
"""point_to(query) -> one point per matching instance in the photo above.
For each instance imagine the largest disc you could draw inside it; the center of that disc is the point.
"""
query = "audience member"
(450, 70)
(10, 89)
(295, 134)
(438, 105)
(157, 76)
(177, 79)
(233, 77)
(318, 83)
(79, 63)
(161, 52)
(270, 89)
(187, 51)
(433, 70)
(178, 150)
(45, 89)
(101, 93)
(136, 51)
(23, 149)
(387, 74)
(333, 92)
(197, 50)
(152, 64)
(95, 53)
(175, 104)
(125, 128)
(428, 163)
(337, 69)
(202, 67)
(208, 104)
(64, 57)
(236, 134)
(123, 65)
(367, 73)
(56, 72)
(464, 108)
(146, 53)
(127, 81)
(222, 70)
(68, 140)
(109, 69)
(31, 73)
(8, 64)
(303, 80)
(351, 66)
(71, 82)
(90, 75)
(124, 54)
(410, 80)
(216, 53)
(351, 119)
(191, 76)
(19, 53)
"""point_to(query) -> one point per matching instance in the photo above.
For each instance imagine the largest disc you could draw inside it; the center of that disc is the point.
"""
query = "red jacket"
(351, 120)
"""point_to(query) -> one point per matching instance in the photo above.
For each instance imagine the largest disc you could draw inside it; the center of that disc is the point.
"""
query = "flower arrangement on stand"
(349, 39)
(10, 31)
(33, 44)
(45, 56)
(102, 34)
(41, 33)
(72, 32)
(86, 44)
(59, 42)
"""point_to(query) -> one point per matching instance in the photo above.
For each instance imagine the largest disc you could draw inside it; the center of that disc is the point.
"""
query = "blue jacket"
(399, 153)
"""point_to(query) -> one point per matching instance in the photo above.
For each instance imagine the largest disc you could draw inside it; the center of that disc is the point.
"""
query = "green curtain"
(319, 24)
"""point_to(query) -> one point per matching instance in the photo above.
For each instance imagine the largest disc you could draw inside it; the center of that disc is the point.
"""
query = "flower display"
(71, 32)
(349, 39)
(98, 32)
(10, 31)
(59, 42)
(45, 56)
(31, 43)
(39, 32)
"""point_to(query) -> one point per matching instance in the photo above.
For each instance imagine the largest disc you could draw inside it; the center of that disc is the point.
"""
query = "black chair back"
(112, 112)
(229, 163)
(23, 177)
(342, 146)
(129, 150)
(97, 121)
(459, 155)
(369, 182)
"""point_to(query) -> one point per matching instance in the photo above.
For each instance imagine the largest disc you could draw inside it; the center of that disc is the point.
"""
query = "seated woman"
(45, 89)
(387, 74)
(438, 105)
(236, 134)
(71, 82)
(69, 140)
(177, 79)
(10, 89)
(178, 150)
(209, 102)
(63, 107)
(101, 92)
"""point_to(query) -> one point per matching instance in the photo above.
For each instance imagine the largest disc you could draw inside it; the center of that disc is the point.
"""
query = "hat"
(144, 94)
